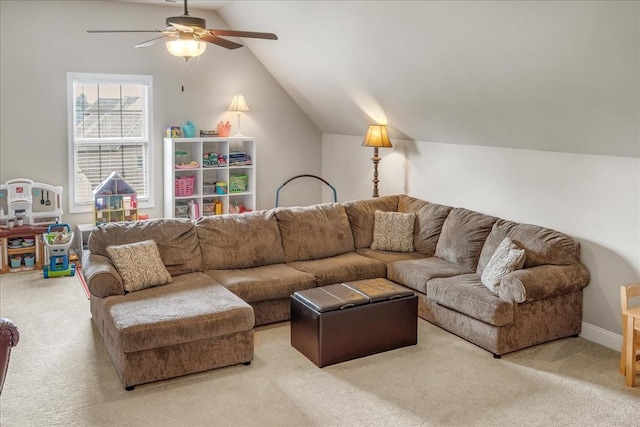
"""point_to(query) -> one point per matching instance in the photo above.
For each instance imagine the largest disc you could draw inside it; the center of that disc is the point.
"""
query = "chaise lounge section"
(232, 272)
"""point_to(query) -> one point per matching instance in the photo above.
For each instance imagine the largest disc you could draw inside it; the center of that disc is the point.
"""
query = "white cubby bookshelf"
(207, 175)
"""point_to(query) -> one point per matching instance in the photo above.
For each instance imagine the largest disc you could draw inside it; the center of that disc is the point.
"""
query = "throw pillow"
(140, 265)
(393, 231)
(506, 258)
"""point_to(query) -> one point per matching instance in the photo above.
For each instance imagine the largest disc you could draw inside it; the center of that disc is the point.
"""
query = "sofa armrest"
(9, 337)
(102, 278)
(9, 332)
(543, 281)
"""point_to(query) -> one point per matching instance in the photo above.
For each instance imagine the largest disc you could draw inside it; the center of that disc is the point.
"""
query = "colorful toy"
(224, 129)
(58, 243)
(210, 160)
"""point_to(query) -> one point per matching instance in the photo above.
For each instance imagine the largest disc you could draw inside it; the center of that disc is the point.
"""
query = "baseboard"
(601, 336)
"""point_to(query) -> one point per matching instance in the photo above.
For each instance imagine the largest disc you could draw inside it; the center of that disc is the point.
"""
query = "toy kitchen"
(27, 208)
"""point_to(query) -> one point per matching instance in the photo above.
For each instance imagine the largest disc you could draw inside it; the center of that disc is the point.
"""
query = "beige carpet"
(60, 375)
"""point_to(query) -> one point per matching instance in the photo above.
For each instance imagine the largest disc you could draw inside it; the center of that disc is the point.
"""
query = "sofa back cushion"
(542, 245)
(463, 235)
(429, 220)
(498, 232)
(313, 232)
(361, 215)
(240, 241)
(176, 239)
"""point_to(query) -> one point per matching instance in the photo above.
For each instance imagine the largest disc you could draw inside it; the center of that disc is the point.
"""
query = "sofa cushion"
(415, 274)
(542, 245)
(193, 308)
(506, 258)
(139, 265)
(467, 295)
(263, 283)
(240, 241)
(177, 241)
(341, 268)
(313, 232)
(463, 235)
(361, 217)
(393, 231)
(429, 220)
(388, 256)
(545, 246)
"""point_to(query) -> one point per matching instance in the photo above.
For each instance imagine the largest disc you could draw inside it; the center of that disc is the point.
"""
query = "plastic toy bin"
(238, 183)
(184, 185)
(15, 261)
(29, 260)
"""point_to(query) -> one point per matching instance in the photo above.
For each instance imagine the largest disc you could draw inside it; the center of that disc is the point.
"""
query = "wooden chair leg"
(623, 353)
(630, 353)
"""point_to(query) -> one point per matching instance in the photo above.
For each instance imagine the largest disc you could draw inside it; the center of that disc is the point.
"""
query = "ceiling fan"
(187, 36)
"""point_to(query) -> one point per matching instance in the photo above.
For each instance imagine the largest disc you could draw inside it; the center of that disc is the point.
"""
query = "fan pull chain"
(194, 68)
(188, 68)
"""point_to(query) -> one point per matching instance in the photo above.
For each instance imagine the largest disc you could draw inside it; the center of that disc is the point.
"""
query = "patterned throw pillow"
(140, 265)
(506, 258)
(393, 231)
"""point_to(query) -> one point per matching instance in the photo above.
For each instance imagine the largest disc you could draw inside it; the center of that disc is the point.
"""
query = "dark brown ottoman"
(335, 323)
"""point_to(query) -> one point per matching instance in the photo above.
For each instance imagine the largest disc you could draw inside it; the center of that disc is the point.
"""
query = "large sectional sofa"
(232, 272)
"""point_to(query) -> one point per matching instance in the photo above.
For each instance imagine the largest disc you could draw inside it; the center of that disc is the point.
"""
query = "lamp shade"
(238, 103)
(377, 137)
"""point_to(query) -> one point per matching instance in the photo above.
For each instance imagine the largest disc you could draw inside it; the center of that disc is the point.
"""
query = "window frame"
(119, 79)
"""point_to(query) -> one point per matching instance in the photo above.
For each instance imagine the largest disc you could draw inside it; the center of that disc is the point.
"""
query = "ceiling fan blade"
(220, 41)
(181, 27)
(126, 31)
(155, 40)
(247, 34)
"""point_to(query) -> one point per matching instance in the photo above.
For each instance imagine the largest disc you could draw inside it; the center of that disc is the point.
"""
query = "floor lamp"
(376, 137)
(238, 104)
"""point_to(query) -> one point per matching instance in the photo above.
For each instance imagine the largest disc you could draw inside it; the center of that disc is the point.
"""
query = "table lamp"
(238, 104)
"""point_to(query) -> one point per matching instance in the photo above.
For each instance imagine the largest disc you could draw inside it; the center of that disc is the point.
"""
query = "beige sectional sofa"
(232, 272)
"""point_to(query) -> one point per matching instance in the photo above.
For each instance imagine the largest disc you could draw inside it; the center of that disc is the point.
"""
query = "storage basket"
(29, 260)
(238, 183)
(16, 261)
(184, 185)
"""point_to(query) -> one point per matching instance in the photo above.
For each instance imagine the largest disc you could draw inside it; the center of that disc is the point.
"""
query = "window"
(109, 130)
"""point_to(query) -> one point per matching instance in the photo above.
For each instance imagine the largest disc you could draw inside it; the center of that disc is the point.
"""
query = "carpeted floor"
(60, 375)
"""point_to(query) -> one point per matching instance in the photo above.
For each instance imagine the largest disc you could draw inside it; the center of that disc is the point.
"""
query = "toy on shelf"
(58, 243)
(238, 208)
(29, 202)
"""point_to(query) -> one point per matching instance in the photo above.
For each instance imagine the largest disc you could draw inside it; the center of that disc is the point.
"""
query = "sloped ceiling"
(555, 76)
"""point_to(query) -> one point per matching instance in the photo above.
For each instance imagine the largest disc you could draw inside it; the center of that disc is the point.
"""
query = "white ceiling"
(195, 4)
(557, 76)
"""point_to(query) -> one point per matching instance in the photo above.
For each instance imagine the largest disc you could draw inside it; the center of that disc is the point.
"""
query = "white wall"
(595, 199)
(33, 135)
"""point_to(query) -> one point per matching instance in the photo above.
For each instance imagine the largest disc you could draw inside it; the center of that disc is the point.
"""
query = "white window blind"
(109, 131)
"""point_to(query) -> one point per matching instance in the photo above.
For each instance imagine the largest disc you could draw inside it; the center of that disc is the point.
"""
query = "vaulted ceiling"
(556, 76)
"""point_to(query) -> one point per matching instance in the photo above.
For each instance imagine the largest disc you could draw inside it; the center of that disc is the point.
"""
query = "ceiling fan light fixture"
(187, 36)
(186, 47)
